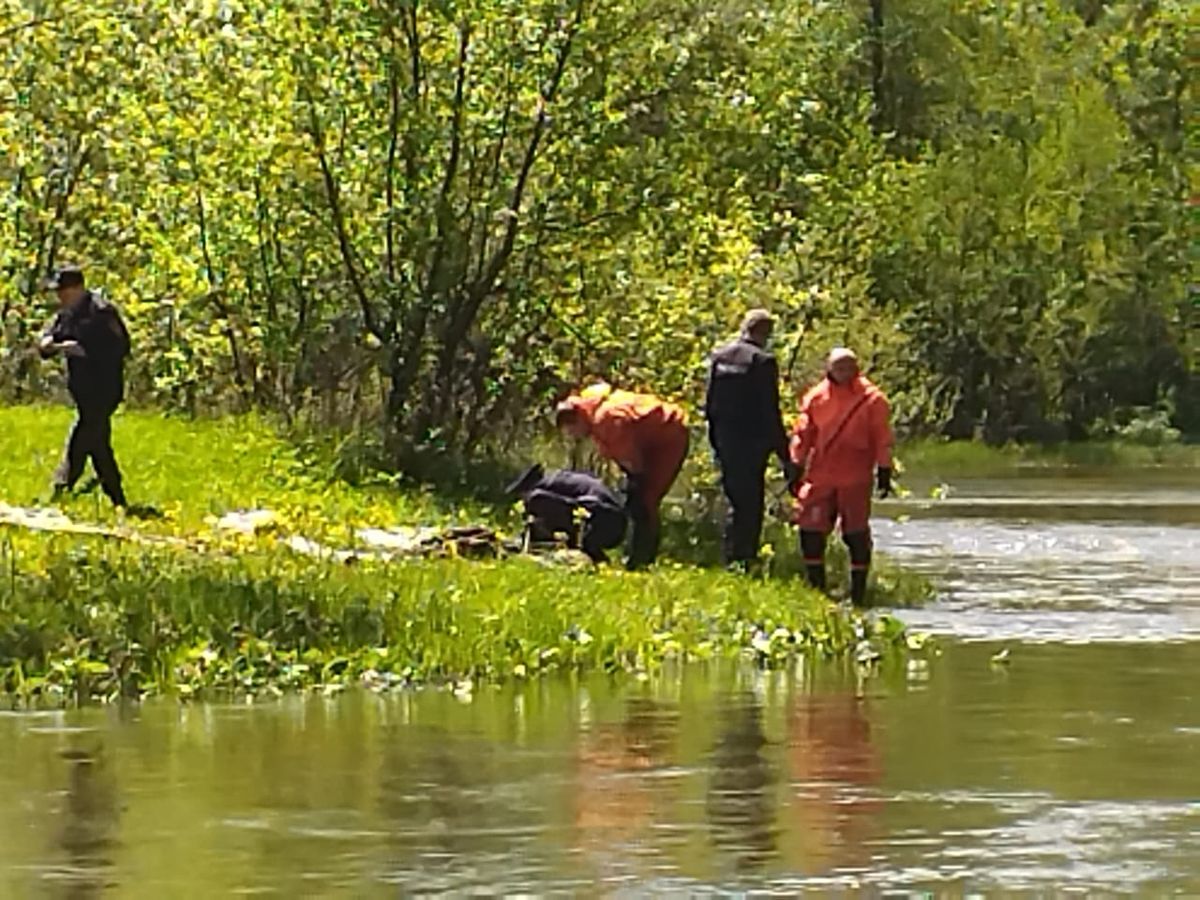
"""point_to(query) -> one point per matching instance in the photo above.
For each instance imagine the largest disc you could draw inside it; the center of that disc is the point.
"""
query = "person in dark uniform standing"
(88, 331)
(575, 504)
(745, 427)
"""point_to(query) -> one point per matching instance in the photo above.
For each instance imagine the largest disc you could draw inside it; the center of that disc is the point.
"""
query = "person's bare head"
(68, 284)
(757, 326)
(570, 421)
(842, 365)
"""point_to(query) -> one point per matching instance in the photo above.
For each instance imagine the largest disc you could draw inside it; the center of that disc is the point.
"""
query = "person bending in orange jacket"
(842, 438)
(643, 435)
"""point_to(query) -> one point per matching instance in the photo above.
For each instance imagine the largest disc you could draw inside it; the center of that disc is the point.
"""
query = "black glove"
(883, 480)
(792, 474)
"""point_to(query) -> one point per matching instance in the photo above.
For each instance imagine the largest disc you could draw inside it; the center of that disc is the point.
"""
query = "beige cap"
(837, 354)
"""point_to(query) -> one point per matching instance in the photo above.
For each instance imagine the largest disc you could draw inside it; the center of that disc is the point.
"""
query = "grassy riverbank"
(95, 618)
(89, 616)
(963, 459)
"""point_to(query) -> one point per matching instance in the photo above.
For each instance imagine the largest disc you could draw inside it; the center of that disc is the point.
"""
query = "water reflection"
(835, 770)
(87, 835)
(432, 794)
(741, 803)
(1070, 770)
(615, 794)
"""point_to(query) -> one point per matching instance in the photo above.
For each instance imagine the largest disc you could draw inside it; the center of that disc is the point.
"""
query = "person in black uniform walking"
(88, 331)
(575, 504)
(745, 427)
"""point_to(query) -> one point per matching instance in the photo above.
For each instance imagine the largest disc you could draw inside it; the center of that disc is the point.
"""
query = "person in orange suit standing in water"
(646, 437)
(842, 443)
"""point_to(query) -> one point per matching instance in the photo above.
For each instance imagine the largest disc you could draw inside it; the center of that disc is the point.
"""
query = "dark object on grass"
(472, 541)
(575, 508)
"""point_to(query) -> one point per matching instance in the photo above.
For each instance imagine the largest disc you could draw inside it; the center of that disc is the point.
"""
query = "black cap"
(65, 276)
(526, 480)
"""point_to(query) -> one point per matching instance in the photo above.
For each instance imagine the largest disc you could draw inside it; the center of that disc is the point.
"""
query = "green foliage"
(422, 221)
(1147, 426)
(1041, 268)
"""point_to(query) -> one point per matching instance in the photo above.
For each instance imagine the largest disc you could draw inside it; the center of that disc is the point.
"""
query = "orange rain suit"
(842, 435)
(642, 434)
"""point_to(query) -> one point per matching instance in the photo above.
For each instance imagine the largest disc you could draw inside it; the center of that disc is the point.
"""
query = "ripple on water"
(1041, 842)
(1052, 581)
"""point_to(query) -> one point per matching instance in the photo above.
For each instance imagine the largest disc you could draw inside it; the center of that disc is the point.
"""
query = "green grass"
(99, 617)
(95, 618)
(194, 468)
(930, 458)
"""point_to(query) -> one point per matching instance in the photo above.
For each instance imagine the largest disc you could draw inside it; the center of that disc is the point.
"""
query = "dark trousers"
(646, 533)
(91, 436)
(743, 475)
(601, 530)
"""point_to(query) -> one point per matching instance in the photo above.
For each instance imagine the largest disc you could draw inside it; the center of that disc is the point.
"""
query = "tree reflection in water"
(741, 804)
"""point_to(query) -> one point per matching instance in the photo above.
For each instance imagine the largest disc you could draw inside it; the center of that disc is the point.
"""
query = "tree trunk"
(880, 114)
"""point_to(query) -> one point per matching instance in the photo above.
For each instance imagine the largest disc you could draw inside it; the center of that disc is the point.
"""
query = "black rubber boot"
(812, 548)
(859, 545)
(858, 586)
(816, 575)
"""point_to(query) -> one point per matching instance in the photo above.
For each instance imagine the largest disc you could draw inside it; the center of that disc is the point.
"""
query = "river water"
(1072, 764)
(1073, 560)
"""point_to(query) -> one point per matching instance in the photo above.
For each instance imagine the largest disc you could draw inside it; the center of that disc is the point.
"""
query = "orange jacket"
(843, 433)
(627, 427)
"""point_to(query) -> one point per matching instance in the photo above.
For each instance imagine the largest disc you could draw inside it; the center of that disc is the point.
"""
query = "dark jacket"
(553, 500)
(98, 379)
(581, 489)
(742, 401)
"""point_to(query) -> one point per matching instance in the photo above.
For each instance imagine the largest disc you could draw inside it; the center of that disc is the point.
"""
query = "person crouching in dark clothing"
(575, 505)
(745, 428)
(89, 333)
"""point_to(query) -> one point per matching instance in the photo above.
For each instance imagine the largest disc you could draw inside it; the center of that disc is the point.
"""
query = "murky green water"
(1074, 765)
